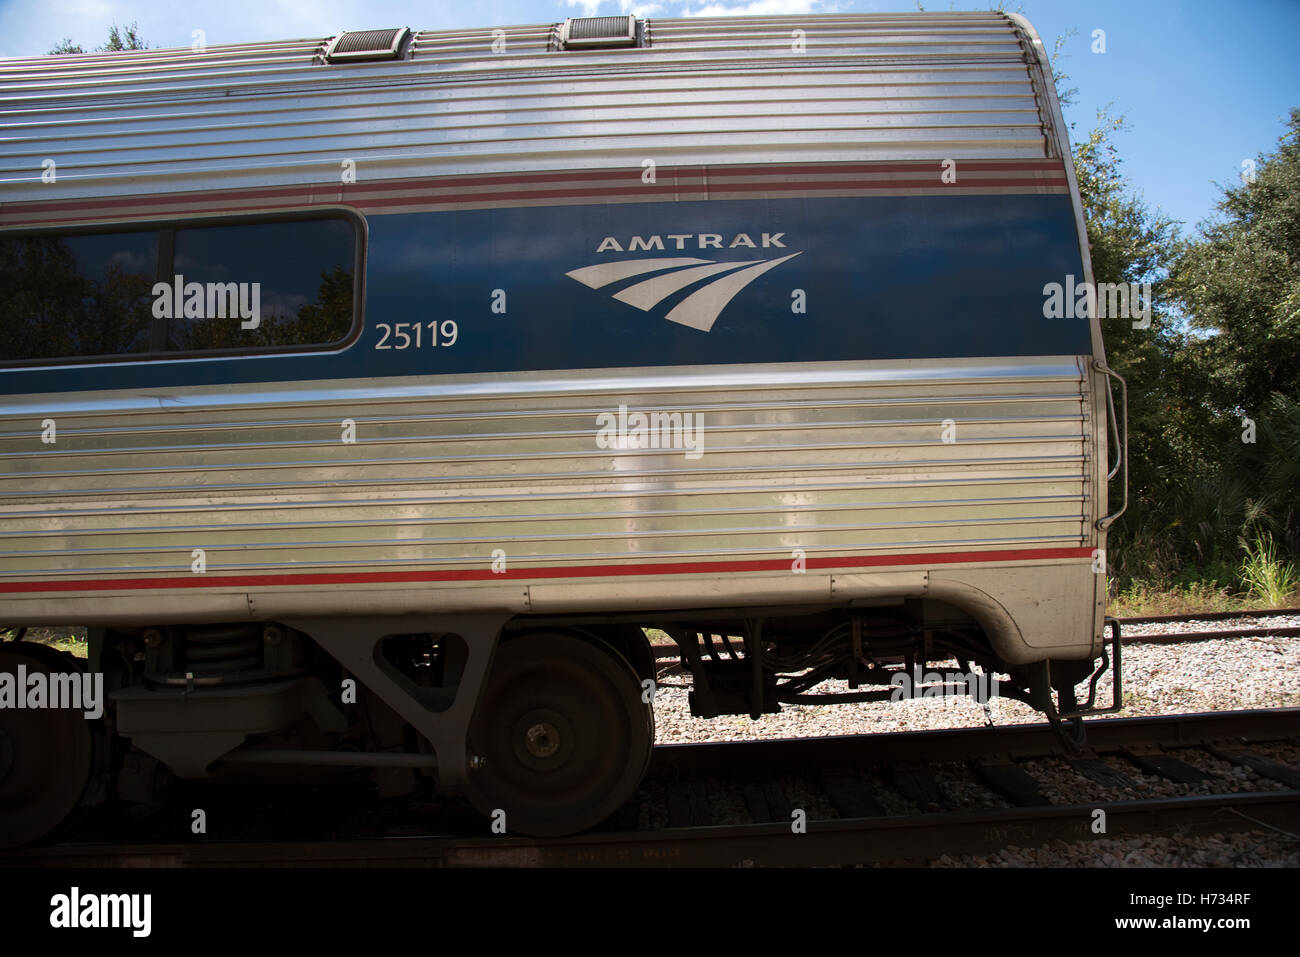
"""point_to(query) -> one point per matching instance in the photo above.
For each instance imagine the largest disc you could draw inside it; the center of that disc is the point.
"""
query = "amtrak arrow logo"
(699, 310)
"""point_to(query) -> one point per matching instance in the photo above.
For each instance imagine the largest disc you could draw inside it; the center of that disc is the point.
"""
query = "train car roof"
(696, 91)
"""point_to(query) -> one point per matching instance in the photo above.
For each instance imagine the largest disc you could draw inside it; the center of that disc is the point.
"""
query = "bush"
(1264, 575)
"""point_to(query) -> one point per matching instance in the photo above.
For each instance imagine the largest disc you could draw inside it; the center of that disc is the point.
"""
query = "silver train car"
(369, 399)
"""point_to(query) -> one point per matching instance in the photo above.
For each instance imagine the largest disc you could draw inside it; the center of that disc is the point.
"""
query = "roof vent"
(580, 33)
(367, 45)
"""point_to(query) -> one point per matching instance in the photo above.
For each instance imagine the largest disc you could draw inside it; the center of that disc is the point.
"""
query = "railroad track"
(865, 779)
(1209, 616)
(1187, 637)
(1184, 637)
(666, 654)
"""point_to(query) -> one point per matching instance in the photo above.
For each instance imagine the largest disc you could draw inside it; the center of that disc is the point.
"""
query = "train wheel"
(46, 754)
(562, 733)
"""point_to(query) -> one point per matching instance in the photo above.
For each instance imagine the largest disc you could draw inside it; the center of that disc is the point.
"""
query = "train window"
(76, 295)
(263, 284)
(178, 290)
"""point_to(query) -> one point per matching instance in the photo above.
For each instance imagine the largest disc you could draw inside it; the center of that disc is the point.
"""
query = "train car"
(370, 398)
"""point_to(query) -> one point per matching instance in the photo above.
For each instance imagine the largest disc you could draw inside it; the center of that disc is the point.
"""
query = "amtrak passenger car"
(370, 398)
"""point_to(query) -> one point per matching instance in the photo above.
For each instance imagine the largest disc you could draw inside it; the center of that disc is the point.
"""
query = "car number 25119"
(413, 335)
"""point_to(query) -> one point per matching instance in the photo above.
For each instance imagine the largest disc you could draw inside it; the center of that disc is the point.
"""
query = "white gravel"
(1244, 849)
(1214, 675)
(1226, 624)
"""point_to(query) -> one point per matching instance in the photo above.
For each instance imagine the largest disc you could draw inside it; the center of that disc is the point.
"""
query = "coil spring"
(223, 649)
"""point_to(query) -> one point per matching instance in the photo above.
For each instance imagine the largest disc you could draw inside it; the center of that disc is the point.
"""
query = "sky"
(1204, 84)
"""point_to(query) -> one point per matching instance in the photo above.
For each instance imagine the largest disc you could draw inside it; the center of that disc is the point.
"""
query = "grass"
(69, 640)
(1146, 598)
(1250, 576)
(658, 637)
(1267, 577)
(1261, 581)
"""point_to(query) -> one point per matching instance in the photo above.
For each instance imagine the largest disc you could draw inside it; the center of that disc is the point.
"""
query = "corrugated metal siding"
(840, 460)
(436, 482)
(868, 87)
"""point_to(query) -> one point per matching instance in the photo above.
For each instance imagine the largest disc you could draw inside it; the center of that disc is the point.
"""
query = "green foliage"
(70, 641)
(1239, 360)
(1278, 465)
(54, 309)
(326, 319)
(1265, 575)
(119, 38)
(1224, 346)
(125, 38)
(1131, 244)
(1147, 598)
(330, 315)
(1240, 285)
(1065, 94)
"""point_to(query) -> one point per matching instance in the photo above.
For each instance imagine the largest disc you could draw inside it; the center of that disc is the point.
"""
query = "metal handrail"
(1121, 441)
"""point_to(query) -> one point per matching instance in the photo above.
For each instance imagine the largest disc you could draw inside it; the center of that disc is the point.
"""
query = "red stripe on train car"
(642, 191)
(570, 571)
(78, 214)
(455, 182)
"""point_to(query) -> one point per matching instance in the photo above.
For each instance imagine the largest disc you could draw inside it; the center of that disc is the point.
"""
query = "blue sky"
(1204, 84)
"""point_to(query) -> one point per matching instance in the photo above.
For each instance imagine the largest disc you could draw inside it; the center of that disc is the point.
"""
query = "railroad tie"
(1092, 767)
(850, 794)
(767, 803)
(1156, 761)
(688, 805)
(1265, 767)
(1011, 781)
(918, 785)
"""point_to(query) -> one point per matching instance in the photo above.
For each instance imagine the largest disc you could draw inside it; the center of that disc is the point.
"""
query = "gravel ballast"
(1212, 675)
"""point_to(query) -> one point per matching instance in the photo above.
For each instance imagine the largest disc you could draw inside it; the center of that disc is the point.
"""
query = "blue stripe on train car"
(882, 278)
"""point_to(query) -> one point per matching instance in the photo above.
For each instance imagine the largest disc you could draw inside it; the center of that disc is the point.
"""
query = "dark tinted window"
(296, 277)
(243, 286)
(76, 295)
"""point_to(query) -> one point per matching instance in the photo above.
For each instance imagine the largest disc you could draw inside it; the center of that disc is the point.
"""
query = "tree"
(55, 305)
(1190, 494)
(119, 38)
(125, 39)
(323, 320)
(1223, 348)
(1129, 243)
(1240, 284)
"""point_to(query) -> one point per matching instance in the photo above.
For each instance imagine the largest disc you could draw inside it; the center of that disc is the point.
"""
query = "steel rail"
(1208, 616)
(843, 841)
(856, 840)
(1186, 637)
(959, 744)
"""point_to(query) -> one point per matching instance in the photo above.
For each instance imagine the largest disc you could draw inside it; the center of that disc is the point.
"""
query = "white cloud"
(589, 7)
(761, 8)
(639, 10)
